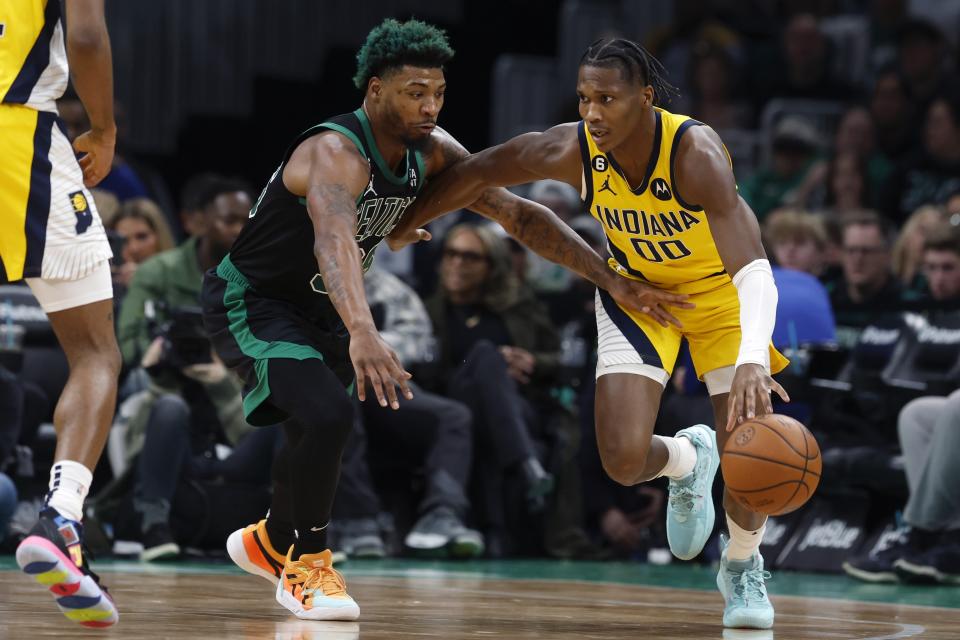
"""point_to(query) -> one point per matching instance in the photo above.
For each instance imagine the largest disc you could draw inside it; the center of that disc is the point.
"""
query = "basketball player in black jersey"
(286, 308)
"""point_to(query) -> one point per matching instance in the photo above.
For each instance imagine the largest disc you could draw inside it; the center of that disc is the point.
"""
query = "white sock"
(681, 457)
(69, 484)
(743, 543)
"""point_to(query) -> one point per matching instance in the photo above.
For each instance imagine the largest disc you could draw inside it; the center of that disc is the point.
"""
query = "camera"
(185, 340)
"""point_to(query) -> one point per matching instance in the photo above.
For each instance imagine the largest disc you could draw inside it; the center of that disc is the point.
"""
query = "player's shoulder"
(700, 143)
(329, 141)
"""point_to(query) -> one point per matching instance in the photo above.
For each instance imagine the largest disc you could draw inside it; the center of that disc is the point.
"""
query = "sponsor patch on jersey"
(81, 208)
(660, 189)
(599, 163)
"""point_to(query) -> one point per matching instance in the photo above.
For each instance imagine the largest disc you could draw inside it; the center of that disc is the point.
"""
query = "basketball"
(771, 464)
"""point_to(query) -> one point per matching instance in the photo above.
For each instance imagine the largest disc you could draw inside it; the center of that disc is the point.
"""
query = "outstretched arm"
(88, 51)
(331, 173)
(704, 177)
(476, 182)
(458, 180)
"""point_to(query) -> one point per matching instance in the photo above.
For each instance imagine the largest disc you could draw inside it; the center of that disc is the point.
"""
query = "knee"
(485, 353)
(456, 417)
(624, 465)
(333, 417)
(171, 410)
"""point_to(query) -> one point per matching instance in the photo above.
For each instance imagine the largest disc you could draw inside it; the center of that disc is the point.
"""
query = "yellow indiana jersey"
(652, 233)
(33, 58)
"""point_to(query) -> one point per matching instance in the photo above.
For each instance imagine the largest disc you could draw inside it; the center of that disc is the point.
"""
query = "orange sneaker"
(250, 549)
(313, 590)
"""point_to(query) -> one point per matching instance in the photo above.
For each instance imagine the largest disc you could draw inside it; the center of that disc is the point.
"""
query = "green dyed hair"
(393, 44)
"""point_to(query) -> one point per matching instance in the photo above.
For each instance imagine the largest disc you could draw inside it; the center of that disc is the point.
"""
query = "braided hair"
(636, 62)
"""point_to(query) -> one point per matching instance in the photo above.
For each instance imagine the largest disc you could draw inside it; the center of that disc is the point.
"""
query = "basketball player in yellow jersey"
(50, 235)
(662, 187)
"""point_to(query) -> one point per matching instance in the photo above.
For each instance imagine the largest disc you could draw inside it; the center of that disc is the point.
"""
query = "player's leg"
(261, 548)
(633, 356)
(741, 579)
(52, 553)
(318, 403)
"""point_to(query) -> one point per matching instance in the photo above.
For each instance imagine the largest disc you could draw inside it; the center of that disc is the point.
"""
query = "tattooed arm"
(331, 173)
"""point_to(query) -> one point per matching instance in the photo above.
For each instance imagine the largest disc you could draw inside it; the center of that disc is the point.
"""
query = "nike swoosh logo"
(317, 528)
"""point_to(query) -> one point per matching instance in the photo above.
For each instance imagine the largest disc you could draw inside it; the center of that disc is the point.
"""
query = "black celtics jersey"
(275, 249)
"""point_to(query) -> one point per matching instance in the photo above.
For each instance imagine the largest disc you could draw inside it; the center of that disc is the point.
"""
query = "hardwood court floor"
(451, 601)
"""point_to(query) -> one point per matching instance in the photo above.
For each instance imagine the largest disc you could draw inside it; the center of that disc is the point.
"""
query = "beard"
(417, 142)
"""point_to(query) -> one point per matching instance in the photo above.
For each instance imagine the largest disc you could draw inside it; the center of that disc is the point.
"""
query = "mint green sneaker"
(742, 586)
(690, 511)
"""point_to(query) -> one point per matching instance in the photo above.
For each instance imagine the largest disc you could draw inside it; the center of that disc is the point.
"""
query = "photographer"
(192, 404)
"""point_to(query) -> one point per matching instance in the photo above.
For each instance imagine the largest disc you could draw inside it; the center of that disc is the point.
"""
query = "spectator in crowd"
(175, 279)
(192, 430)
(893, 116)
(868, 282)
(192, 218)
(908, 248)
(928, 548)
(692, 27)
(713, 89)
(500, 355)
(933, 175)
(924, 61)
(797, 240)
(192, 403)
(941, 263)
(803, 71)
(795, 143)
(848, 188)
(429, 432)
(142, 231)
(855, 175)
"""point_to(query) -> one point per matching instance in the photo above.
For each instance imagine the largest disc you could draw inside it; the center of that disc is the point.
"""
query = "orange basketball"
(771, 464)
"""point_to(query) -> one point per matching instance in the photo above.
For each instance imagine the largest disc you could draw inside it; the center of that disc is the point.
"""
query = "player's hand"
(644, 298)
(397, 241)
(375, 362)
(520, 363)
(97, 147)
(750, 394)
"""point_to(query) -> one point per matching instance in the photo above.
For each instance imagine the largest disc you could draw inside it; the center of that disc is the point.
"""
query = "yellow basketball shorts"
(49, 227)
(631, 342)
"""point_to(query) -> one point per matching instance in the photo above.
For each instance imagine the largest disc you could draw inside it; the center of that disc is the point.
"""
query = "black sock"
(281, 534)
(310, 541)
(280, 527)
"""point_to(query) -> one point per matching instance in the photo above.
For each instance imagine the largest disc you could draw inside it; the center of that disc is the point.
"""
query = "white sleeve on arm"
(758, 311)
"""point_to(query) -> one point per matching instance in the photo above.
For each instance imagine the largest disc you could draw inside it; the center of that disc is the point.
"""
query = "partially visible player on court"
(286, 308)
(663, 189)
(51, 235)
